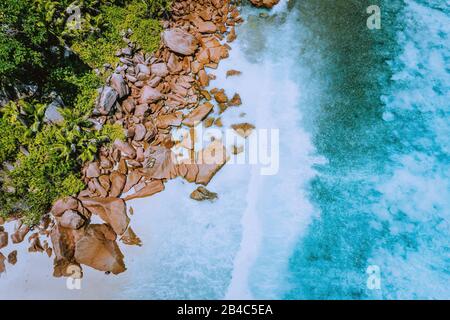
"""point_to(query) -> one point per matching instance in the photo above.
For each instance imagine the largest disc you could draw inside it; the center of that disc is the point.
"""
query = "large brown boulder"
(243, 129)
(198, 114)
(129, 105)
(98, 249)
(12, 257)
(65, 268)
(205, 26)
(111, 210)
(180, 41)
(233, 72)
(172, 119)
(160, 69)
(173, 64)
(141, 110)
(231, 35)
(105, 182)
(265, 3)
(217, 3)
(202, 194)
(118, 181)
(95, 186)
(72, 220)
(119, 84)
(203, 78)
(133, 178)
(210, 160)
(35, 244)
(19, 234)
(139, 132)
(125, 149)
(130, 238)
(63, 243)
(149, 95)
(221, 97)
(105, 101)
(3, 239)
(159, 163)
(92, 170)
(150, 189)
(235, 101)
(2, 263)
(188, 171)
(64, 204)
(215, 54)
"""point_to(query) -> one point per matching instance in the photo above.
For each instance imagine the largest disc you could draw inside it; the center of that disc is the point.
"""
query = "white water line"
(251, 222)
(250, 244)
(252, 231)
(280, 7)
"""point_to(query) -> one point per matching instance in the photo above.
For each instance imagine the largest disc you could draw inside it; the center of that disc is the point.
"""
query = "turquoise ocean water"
(377, 105)
(374, 107)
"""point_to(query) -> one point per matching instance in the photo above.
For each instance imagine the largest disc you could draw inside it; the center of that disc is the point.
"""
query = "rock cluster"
(265, 3)
(147, 95)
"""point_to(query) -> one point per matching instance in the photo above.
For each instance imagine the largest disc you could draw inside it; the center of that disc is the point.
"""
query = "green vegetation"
(97, 51)
(40, 162)
(35, 36)
(54, 154)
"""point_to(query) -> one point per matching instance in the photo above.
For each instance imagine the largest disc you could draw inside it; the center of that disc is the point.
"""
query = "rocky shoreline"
(148, 95)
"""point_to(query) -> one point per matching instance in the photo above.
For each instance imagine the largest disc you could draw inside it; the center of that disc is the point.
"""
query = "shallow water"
(363, 180)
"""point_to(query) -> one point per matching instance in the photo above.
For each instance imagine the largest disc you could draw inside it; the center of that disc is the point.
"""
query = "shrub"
(9, 141)
(98, 48)
(113, 132)
(50, 167)
(157, 8)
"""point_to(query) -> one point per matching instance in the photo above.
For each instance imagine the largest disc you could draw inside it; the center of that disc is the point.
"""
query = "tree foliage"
(40, 162)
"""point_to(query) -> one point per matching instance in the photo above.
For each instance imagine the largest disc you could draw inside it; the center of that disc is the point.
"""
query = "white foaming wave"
(277, 209)
(415, 201)
(250, 244)
(415, 205)
(253, 86)
(280, 7)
